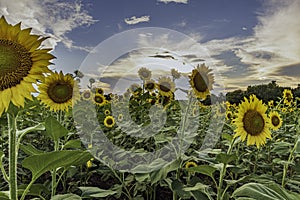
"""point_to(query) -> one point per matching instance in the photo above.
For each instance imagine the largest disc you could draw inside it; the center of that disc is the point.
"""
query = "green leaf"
(66, 197)
(198, 186)
(4, 195)
(226, 158)
(72, 144)
(178, 188)
(203, 169)
(1, 157)
(95, 192)
(36, 189)
(264, 192)
(54, 129)
(41, 163)
(297, 150)
(30, 150)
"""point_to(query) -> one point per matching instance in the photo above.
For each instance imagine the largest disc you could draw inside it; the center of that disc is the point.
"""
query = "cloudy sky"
(244, 42)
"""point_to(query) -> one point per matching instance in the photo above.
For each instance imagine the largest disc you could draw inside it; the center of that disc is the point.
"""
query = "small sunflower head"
(288, 97)
(107, 112)
(99, 91)
(99, 100)
(166, 86)
(150, 85)
(271, 103)
(144, 73)
(275, 119)
(86, 95)
(190, 164)
(109, 121)
(201, 81)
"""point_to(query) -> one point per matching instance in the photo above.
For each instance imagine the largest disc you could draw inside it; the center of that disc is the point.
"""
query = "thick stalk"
(53, 185)
(13, 156)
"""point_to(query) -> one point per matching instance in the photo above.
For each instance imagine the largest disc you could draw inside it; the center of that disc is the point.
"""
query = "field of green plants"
(68, 142)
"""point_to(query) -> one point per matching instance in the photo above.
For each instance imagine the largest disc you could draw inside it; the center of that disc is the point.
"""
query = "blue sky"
(244, 41)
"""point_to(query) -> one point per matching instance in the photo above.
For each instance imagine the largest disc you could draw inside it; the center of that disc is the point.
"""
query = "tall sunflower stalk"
(22, 63)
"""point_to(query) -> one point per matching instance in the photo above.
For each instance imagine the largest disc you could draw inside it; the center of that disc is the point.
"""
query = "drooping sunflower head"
(86, 95)
(144, 73)
(150, 85)
(59, 91)
(22, 63)
(109, 121)
(275, 119)
(165, 86)
(99, 100)
(175, 74)
(288, 97)
(202, 81)
(252, 122)
(190, 164)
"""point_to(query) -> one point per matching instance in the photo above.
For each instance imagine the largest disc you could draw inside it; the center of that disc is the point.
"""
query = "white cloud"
(176, 1)
(135, 20)
(49, 18)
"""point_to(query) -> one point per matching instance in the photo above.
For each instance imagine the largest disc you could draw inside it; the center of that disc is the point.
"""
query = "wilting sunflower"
(144, 73)
(288, 97)
(86, 95)
(275, 119)
(109, 121)
(201, 81)
(150, 85)
(22, 63)
(190, 164)
(99, 100)
(252, 122)
(58, 91)
(166, 86)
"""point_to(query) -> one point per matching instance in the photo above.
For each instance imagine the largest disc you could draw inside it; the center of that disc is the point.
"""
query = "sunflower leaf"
(54, 129)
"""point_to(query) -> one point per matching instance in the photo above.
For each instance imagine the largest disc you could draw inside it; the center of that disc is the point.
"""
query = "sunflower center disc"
(60, 92)
(150, 86)
(109, 121)
(165, 87)
(275, 121)
(98, 99)
(200, 82)
(15, 63)
(253, 122)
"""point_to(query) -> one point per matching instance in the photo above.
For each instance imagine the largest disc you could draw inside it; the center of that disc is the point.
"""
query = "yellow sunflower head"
(165, 86)
(109, 121)
(275, 119)
(107, 112)
(201, 81)
(144, 73)
(150, 85)
(252, 122)
(175, 74)
(86, 95)
(190, 164)
(99, 100)
(59, 91)
(288, 97)
(99, 91)
(22, 63)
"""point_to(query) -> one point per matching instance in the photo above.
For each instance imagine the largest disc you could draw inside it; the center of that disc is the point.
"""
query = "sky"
(244, 42)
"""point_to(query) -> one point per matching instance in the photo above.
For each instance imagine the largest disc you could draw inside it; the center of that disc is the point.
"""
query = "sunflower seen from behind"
(201, 81)
(59, 91)
(252, 122)
(22, 63)
(275, 119)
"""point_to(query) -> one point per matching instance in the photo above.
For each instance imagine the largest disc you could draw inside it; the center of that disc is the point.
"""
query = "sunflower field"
(61, 141)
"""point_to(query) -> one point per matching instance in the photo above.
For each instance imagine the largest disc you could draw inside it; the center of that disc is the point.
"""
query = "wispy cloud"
(49, 17)
(175, 1)
(135, 20)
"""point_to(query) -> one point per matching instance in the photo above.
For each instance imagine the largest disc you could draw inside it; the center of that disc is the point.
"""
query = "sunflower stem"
(13, 155)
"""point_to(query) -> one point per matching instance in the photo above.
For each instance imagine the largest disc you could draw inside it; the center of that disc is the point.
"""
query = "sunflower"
(99, 91)
(252, 122)
(276, 121)
(271, 103)
(107, 112)
(59, 91)
(22, 63)
(150, 85)
(144, 73)
(86, 95)
(201, 81)
(99, 100)
(288, 97)
(166, 86)
(190, 164)
(109, 121)
(175, 74)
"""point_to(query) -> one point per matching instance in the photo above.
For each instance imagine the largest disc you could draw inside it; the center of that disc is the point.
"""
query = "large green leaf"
(4, 195)
(41, 163)
(95, 192)
(30, 150)
(226, 158)
(54, 129)
(264, 192)
(203, 169)
(66, 197)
